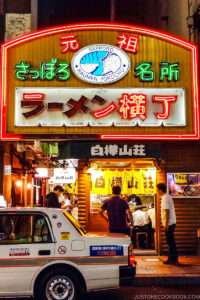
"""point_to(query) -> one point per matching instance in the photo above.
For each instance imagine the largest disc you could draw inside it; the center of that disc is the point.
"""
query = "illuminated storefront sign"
(99, 107)
(67, 175)
(183, 185)
(137, 181)
(103, 149)
(49, 78)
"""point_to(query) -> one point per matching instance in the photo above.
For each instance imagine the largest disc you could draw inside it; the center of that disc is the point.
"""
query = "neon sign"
(166, 74)
(47, 71)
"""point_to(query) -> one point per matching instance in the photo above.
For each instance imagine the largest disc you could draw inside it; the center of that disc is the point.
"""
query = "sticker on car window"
(106, 250)
(65, 235)
(19, 252)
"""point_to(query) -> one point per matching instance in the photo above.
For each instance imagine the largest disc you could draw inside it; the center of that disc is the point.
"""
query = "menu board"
(183, 185)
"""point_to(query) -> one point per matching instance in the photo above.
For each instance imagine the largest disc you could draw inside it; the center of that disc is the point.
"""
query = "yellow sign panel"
(65, 236)
(138, 181)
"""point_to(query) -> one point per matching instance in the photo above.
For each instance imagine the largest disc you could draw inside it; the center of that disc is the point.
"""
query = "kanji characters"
(125, 151)
(133, 106)
(166, 100)
(70, 42)
(139, 150)
(117, 181)
(116, 150)
(143, 71)
(97, 150)
(128, 43)
(100, 182)
(111, 150)
(169, 70)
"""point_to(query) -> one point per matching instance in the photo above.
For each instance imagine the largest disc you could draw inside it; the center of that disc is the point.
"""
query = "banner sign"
(100, 107)
(138, 181)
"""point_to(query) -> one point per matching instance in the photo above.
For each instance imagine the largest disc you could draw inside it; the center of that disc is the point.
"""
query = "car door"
(26, 244)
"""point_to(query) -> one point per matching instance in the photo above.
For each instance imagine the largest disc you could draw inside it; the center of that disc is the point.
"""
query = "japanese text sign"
(114, 81)
(99, 107)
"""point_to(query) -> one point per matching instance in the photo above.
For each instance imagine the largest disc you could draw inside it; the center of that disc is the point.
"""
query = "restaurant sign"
(99, 107)
(102, 81)
(103, 149)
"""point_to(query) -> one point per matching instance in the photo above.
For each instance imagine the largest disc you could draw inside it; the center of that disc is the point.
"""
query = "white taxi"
(45, 253)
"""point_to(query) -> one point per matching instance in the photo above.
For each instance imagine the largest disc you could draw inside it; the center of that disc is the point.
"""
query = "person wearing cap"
(52, 197)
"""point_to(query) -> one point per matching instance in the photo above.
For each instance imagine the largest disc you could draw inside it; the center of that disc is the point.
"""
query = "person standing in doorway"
(168, 215)
(117, 209)
(52, 198)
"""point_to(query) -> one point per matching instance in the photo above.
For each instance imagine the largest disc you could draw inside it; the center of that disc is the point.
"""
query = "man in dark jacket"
(117, 209)
(52, 198)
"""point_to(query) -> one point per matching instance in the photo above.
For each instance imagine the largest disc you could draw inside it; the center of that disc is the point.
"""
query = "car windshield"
(76, 224)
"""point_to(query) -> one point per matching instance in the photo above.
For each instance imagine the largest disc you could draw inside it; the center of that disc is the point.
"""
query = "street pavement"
(145, 293)
(150, 270)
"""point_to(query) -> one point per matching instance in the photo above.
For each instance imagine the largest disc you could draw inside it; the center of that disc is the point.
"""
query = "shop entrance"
(137, 179)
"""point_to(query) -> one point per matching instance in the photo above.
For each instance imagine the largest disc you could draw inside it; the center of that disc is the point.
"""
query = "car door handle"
(44, 252)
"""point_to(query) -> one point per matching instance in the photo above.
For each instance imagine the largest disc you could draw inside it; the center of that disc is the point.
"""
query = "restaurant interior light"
(18, 183)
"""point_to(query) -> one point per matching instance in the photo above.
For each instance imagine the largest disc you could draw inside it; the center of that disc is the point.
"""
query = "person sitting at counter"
(140, 220)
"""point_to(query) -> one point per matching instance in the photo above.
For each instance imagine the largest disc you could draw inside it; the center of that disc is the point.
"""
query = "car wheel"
(60, 285)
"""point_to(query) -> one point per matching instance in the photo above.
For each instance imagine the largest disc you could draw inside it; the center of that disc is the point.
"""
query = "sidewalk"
(150, 270)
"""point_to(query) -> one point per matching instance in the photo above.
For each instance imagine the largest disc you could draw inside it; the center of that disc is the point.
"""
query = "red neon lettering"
(69, 42)
(166, 100)
(133, 106)
(105, 111)
(33, 96)
(128, 43)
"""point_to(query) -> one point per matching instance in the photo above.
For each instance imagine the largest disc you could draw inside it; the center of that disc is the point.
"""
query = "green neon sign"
(48, 71)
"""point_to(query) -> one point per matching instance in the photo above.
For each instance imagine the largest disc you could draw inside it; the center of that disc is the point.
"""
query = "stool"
(137, 238)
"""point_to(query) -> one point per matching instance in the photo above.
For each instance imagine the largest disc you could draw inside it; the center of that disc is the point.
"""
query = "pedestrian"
(117, 210)
(52, 198)
(168, 215)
